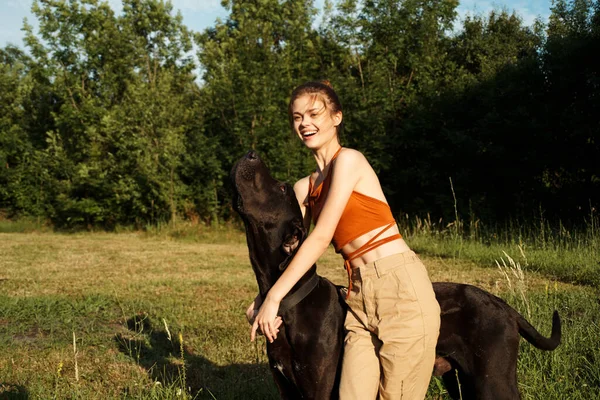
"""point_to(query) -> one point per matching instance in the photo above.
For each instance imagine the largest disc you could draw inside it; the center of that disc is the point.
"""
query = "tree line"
(113, 119)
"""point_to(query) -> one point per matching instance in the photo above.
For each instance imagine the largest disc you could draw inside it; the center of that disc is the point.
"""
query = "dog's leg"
(280, 355)
(451, 384)
(461, 385)
(317, 337)
(499, 381)
(287, 389)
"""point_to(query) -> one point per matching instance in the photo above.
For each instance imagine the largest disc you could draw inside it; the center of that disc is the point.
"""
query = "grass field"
(131, 315)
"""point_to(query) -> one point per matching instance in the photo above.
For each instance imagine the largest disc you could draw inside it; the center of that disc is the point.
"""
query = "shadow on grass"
(160, 353)
(13, 392)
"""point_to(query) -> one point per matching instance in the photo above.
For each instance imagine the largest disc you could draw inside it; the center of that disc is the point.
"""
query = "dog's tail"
(535, 338)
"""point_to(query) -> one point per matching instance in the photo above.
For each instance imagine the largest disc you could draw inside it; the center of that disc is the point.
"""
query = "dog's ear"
(291, 242)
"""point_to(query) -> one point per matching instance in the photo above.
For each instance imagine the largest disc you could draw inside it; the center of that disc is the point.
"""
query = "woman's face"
(314, 123)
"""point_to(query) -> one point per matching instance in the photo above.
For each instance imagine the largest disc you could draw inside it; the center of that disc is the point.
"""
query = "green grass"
(23, 225)
(570, 256)
(572, 370)
(159, 315)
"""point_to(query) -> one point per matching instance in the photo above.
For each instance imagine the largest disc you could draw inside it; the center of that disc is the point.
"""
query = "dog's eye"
(283, 188)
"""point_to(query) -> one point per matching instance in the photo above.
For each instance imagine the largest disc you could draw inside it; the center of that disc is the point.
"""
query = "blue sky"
(199, 14)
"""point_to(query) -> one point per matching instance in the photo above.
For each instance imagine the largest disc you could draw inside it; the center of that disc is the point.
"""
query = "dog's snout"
(251, 155)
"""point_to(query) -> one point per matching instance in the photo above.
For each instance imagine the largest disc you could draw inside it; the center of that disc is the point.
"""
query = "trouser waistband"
(383, 265)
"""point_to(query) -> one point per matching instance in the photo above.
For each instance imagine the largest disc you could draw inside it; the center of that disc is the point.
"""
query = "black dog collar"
(291, 300)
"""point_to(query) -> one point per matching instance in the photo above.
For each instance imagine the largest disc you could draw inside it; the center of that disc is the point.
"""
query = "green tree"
(480, 127)
(251, 62)
(126, 97)
(22, 174)
(398, 52)
(571, 176)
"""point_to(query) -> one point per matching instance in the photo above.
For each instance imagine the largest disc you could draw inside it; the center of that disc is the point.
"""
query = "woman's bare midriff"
(387, 249)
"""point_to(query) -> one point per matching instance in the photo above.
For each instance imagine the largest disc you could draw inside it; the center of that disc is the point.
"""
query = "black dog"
(479, 334)
(305, 357)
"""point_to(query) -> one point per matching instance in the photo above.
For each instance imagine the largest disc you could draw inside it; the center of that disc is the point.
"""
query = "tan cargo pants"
(392, 328)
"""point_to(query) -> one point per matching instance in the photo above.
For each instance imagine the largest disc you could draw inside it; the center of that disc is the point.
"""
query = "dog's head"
(269, 209)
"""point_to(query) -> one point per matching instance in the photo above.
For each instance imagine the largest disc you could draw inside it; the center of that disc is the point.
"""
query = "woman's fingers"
(261, 328)
(270, 329)
(266, 321)
(276, 324)
(266, 328)
(275, 327)
(253, 330)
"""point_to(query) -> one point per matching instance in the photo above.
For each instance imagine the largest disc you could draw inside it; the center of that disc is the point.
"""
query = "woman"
(393, 320)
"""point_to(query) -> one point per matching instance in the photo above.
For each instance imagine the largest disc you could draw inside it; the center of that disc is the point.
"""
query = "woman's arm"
(345, 175)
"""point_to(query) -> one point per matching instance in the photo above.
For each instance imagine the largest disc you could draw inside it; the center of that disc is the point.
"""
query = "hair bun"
(327, 83)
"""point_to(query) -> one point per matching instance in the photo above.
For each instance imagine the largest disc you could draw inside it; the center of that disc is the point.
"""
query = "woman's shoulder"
(352, 158)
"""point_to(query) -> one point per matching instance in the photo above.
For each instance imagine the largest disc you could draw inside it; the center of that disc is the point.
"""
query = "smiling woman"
(393, 321)
(314, 112)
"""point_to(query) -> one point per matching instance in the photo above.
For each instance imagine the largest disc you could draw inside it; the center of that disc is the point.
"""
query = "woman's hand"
(252, 311)
(266, 320)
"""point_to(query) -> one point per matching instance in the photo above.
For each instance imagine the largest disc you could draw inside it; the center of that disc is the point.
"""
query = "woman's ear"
(337, 118)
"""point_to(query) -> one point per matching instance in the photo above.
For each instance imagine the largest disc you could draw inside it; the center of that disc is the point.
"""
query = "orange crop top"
(362, 214)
